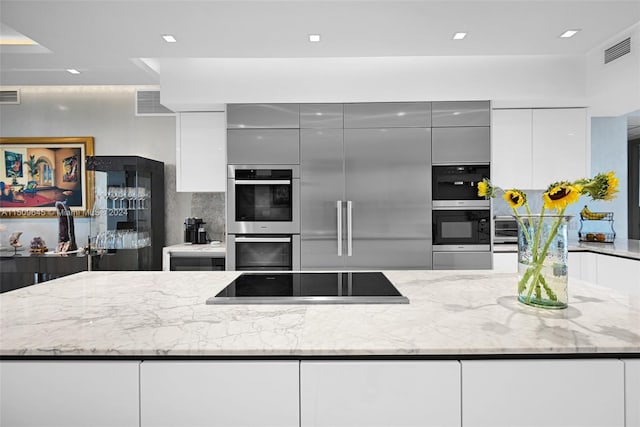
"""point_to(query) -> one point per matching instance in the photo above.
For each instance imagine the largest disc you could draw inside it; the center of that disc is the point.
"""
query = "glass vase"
(542, 260)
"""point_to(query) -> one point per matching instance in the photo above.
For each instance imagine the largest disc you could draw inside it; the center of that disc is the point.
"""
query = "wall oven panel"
(255, 252)
(263, 199)
(457, 185)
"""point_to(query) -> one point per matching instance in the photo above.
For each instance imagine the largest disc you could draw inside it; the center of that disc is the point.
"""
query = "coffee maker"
(194, 231)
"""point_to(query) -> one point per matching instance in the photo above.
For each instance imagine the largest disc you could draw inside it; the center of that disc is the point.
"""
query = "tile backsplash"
(180, 205)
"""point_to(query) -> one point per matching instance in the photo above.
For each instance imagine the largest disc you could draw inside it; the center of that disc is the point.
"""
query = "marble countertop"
(625, 248)
(450, 313)
(211, 250)
(191, 249)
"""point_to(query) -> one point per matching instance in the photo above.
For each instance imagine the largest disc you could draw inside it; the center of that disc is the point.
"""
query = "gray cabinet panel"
(243, 116)
(461, 113)
(457, 145)
(321, 116)
(263, 146)
(461, 260)
(387, 114)
(322, 185)
(388, 182)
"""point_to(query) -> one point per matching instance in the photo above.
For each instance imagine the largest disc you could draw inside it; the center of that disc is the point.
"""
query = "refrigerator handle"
(349, 228)
(339, 218)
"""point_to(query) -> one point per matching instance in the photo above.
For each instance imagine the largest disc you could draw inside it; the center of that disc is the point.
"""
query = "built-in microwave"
(263, 199)
(466, 229)
(457, 185)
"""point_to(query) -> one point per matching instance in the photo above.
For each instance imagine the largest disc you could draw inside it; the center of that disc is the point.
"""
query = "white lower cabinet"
(219, 393)
(622, 274)
(583, 266)
(68, 394)
(550, 393)
(506, 262)
(632, 391)
(380, 393)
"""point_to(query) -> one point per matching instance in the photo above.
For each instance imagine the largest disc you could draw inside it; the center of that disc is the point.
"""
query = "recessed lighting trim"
(72, 71)
(569, 33)
(314, 38)
(169, 38)
(459, 36)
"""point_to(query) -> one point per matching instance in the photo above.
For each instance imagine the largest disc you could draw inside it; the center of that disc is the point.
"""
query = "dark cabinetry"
(20, 270)
(127, 221)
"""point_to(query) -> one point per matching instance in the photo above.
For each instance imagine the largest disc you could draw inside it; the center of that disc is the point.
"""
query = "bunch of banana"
(586, 213)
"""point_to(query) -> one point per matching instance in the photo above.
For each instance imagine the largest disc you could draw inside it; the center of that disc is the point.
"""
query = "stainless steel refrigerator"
(365, 186)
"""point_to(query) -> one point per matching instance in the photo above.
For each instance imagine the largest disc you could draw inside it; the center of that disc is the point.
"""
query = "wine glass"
(131, 197)
(112, 194)
(122, 196)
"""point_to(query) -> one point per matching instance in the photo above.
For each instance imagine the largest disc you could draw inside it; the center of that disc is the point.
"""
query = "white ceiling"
(106, 40)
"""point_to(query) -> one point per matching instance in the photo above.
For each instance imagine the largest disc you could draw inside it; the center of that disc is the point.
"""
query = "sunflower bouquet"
(542, 282)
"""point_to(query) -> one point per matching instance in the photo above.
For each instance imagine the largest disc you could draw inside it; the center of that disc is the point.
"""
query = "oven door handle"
(263, 182)
(263, 239)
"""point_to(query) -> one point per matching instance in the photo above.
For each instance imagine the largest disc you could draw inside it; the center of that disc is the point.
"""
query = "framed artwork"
(38, 172)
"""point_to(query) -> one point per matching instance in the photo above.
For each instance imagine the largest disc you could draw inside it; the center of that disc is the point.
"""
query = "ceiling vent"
(148, 104)
(617, 50)
(9, 97)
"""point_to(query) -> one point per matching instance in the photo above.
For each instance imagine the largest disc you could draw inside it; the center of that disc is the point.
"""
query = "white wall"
(609, 153)
(614, 88)
(108, 114)
(205, 83)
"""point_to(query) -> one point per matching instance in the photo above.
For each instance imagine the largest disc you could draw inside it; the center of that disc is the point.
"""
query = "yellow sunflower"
(515, 198)
(612, 186)
(603, 186)
(483, 189)
(561, 194)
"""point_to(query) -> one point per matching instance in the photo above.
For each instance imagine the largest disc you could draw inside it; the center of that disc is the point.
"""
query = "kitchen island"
(459, 313)
(150, 342)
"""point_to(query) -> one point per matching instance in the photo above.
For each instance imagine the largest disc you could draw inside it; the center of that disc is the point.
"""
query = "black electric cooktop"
(310, 288)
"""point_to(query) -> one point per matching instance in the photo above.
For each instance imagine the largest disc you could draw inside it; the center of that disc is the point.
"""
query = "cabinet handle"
(349, 228)
(339, 222)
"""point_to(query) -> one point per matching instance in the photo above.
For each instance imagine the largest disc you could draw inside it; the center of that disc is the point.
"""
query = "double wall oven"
(461, 219)
(263, 217)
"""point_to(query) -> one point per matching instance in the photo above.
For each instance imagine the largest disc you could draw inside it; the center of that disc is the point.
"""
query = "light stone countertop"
(451, 313)
(626, 248)
(213, 250)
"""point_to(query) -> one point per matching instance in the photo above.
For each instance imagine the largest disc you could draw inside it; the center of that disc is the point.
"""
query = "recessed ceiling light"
(459, 36)
(169, 38)
(73, 71)
(569, 33)
(314, 38)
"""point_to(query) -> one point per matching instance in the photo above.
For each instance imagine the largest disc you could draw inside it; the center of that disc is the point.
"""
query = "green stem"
(538, 261)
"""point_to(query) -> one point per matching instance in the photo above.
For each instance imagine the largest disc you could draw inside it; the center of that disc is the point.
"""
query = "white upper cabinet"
(559, 145)
(511, 149)
(201, 152)
(532, 148)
